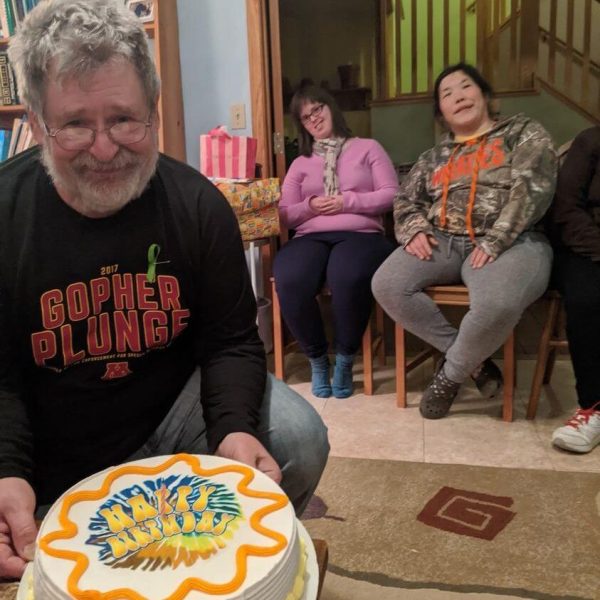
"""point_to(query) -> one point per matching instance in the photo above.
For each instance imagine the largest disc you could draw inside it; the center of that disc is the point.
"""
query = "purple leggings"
(346, 260)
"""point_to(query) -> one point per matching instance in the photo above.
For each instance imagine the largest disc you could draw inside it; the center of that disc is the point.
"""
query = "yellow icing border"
(300, 579)
(69, 530)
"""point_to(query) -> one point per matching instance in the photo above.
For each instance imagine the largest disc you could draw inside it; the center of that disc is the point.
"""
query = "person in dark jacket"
(575, 219)
(127, 320)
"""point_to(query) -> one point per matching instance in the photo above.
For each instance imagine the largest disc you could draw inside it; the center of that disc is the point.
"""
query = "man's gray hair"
(75, 37)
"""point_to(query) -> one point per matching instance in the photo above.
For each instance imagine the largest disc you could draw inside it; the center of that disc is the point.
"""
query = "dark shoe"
(489, 379)
(439, 395)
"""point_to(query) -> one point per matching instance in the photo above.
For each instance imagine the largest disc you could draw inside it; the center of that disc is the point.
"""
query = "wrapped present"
(227, 156)
(255, 205)
(260, 223)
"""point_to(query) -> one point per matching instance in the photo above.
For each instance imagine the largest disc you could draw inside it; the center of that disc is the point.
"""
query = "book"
(14, 138)
(12, 84)
(7, 138)
(10, 17)
(5, 79)
(5, 135)
(24, 136)
(3, 20)
(2, 142)
(26, 139)
(31, 141)
(17, 12)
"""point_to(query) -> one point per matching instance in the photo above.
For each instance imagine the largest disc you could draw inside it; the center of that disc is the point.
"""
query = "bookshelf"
(163, 30)
(8, 113)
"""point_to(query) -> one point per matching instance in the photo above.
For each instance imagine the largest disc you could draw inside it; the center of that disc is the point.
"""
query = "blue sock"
(342, 376)
(321, 388)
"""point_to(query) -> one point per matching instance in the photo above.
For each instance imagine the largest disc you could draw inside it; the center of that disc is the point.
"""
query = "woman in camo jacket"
(466, 214)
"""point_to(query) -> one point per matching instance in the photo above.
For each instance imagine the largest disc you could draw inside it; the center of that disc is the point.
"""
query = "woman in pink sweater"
(333, 197)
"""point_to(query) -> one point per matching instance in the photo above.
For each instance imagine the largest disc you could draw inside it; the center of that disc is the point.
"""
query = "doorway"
(332, 44)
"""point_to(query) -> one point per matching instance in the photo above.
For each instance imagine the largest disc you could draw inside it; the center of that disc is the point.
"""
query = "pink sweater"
(368, 184)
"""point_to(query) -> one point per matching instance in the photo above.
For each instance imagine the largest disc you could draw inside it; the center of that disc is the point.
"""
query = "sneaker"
(488, 378)
(581, 433)
(439, 395)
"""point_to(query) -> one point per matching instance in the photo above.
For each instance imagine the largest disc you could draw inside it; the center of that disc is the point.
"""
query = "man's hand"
(245, 448)
(17, 526)
(327, 205)
(479, 258)
(421, 245)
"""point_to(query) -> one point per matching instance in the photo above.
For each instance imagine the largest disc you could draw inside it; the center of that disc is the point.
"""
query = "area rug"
(399, 530)
(8, 591)
(414, 531)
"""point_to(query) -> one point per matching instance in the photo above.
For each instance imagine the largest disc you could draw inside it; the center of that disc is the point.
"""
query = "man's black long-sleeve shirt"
(102, 321)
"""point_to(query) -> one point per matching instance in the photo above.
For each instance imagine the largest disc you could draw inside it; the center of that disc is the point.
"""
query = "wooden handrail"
(506, 23)
(548, 87)
(559, 80)
(545, 36)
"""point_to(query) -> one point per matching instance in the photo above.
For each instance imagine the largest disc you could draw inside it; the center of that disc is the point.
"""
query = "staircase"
(569, 54)
(519, 45)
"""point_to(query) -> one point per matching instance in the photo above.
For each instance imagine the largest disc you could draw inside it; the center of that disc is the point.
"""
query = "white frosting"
(267, 577)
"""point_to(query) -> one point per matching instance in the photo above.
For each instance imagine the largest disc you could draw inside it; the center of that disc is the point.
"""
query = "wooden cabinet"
(164, 32)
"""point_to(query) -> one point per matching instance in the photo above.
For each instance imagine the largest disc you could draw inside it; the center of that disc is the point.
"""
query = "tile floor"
(473, 433)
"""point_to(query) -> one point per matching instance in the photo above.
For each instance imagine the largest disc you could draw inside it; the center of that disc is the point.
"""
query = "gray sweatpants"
(499, 293)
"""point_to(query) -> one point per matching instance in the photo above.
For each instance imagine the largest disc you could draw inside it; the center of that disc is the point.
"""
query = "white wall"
(213, 45)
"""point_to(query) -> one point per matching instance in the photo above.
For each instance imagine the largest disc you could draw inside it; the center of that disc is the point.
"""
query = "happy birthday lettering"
(146, 524)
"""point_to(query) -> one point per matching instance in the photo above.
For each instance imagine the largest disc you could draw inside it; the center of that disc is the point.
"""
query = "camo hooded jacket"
(491, 188)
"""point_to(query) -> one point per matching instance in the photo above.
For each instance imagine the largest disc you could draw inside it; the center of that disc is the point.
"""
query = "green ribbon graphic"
(153, 252)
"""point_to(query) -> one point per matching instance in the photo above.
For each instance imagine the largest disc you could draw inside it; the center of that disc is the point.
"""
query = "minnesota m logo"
(116, 370)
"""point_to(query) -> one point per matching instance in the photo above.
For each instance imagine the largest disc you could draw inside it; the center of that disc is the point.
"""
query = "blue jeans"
(290, 429)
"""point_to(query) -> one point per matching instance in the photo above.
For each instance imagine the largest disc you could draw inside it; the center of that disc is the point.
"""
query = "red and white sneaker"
(581, 433)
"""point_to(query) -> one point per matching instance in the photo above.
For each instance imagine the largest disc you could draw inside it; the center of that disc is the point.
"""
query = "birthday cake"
(171, 528)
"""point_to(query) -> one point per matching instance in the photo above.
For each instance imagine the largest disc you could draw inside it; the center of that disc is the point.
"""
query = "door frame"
(264, 61)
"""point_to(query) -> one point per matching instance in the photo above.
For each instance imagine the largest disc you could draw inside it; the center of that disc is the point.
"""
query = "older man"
(127, 322)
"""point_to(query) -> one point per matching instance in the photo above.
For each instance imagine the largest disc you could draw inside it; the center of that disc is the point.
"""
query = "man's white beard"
(101, 198)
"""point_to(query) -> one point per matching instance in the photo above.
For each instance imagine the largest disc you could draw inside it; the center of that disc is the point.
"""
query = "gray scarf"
(330, 149)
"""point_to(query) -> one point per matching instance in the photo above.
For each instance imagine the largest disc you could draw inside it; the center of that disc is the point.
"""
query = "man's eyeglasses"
(313, 114)
(74, 137)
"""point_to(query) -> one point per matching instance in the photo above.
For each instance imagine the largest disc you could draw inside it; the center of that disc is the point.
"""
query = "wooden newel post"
(530, 14)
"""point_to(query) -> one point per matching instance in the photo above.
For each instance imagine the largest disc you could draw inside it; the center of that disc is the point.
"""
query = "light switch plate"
(237, 114)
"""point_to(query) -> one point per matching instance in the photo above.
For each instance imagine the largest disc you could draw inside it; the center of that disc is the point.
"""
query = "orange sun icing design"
(69, 530)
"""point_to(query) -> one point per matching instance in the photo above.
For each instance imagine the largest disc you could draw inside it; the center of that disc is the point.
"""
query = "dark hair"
(471, 72)
(318, 95)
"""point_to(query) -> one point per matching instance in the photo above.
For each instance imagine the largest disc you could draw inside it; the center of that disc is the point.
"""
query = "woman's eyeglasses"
(313, 114)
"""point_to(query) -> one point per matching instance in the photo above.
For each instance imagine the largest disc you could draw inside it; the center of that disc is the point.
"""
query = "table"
(8, 591)
(322, 552)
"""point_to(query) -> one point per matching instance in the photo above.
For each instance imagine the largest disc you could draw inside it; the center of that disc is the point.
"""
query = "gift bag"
(227, 156)
(255, 206)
